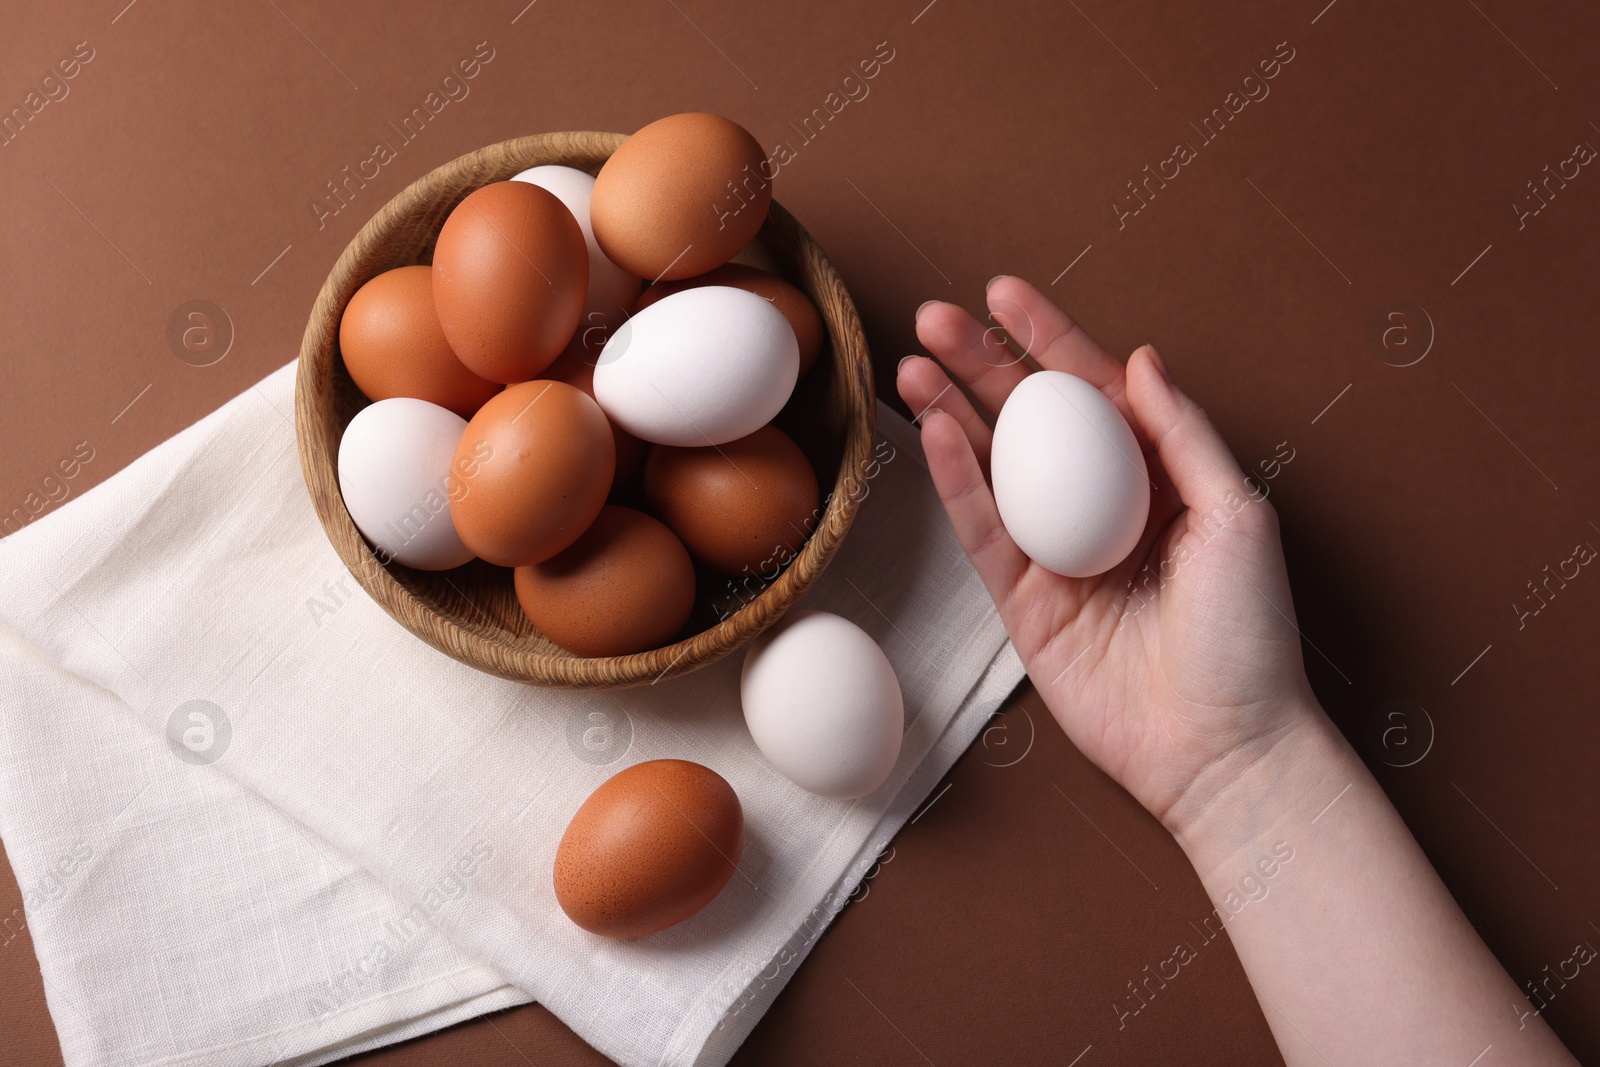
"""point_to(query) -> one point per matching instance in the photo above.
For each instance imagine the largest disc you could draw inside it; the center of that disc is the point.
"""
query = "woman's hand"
(1179, 673)
(1179, 668)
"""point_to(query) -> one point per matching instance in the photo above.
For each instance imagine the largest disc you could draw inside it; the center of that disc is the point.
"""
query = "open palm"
(1182, 663)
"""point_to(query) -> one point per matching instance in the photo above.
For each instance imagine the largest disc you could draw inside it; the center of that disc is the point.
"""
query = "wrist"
(1237, 802)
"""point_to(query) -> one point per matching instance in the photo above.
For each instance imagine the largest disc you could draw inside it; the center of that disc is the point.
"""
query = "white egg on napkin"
(823, 704)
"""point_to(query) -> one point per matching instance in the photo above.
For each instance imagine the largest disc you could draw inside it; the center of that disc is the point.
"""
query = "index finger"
(1053, 338)
(971, 353)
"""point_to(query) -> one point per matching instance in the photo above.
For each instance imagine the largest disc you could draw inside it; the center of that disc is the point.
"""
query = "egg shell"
(396, 477)
(823, 704)
(651, 846)
(682, 195)
(510, 277)
(626, 585)
(700, 367)
(575, 366)
(740, 508)
(612, 290)
(392, 345)
(535, 465)
(1070, 480)
(795, 305)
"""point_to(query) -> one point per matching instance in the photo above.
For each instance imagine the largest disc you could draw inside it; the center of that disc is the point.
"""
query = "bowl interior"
(471, 612)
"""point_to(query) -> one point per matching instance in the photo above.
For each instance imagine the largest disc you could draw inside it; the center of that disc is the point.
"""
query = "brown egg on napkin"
(649, 848)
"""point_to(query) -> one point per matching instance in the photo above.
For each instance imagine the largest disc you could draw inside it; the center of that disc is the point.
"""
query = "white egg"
(823, 704)
(612, 290)
(1069, 478)
(394, 474)
(700, 367)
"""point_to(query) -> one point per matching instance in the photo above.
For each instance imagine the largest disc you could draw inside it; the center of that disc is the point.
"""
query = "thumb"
(1193, 453)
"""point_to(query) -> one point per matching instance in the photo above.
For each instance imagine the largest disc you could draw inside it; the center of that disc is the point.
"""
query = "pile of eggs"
(537, 406)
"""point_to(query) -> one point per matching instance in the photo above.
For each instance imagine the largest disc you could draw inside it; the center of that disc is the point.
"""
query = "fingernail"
(923, 418)
(921, 306)
(902, 363)
(1161, 364)
(996, 278)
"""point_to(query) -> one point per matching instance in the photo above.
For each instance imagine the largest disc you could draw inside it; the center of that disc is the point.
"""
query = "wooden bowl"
(471, 612)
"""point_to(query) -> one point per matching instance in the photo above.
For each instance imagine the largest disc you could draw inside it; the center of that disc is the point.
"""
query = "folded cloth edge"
(1004, 672)
(485, 991)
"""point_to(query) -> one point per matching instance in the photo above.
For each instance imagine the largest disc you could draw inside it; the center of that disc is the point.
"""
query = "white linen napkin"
(256, 821)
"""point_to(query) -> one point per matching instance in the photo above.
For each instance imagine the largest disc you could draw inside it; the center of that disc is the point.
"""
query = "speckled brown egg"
(681, 196)
(510, 275)
(575, 366)
(392, 345)
(533, 469)
(743, 507)
(649, 848)
(625, 585)
(794, 304)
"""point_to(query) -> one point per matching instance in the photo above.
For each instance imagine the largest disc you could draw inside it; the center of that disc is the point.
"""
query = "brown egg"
(681, 196)
(575, 366)
(745, 506)
(794, 304)
(393, 346)
(649, 848)
(624, 586)
(510, 275)
(534, 466)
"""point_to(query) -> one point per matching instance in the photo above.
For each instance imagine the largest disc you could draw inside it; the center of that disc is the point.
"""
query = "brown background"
(1384, 163)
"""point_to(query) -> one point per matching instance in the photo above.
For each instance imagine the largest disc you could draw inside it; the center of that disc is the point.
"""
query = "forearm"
(1354, 947)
